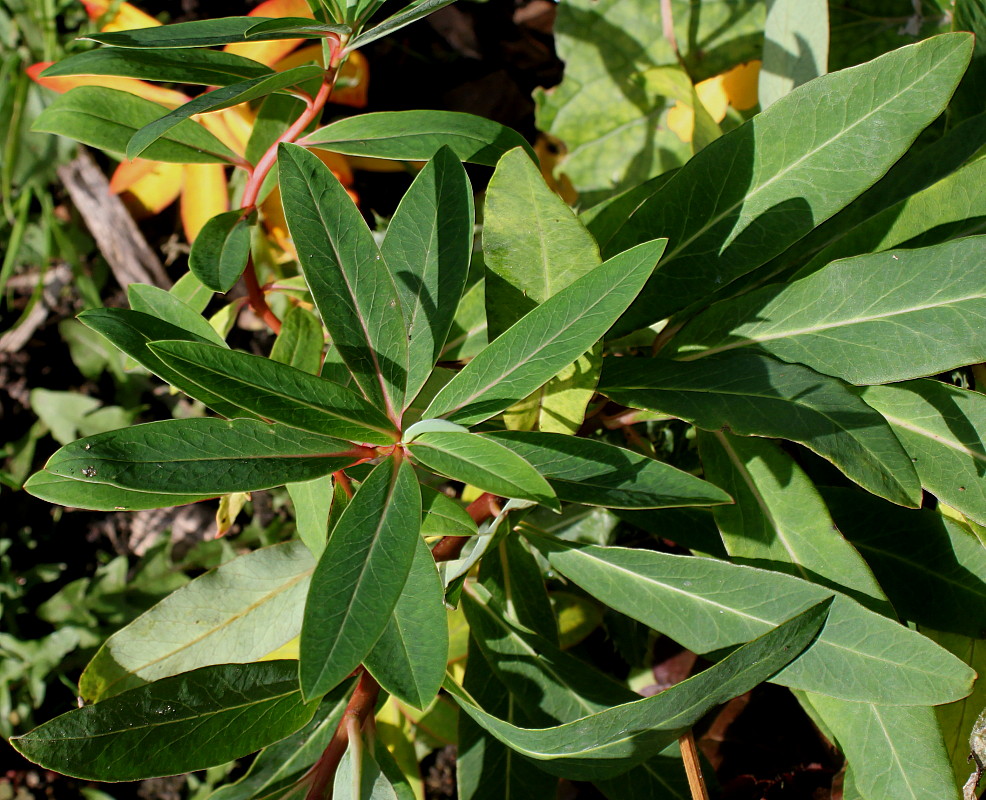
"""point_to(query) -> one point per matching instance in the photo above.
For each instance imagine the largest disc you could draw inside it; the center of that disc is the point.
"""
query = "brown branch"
(480, 509)
(693, 769)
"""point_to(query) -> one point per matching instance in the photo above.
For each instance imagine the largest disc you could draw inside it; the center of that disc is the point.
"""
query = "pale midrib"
(901, 769)
(950, 443)
(941, 576)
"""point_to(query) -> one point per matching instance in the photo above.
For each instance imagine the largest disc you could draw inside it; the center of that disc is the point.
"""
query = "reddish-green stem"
(480, 509)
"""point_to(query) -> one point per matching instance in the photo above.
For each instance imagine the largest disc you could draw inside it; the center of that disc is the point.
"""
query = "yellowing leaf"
(126, 18)
(736, 87)
(149, 91)
(147, 187)
(287, 650)
(740, 85)
(203, 197)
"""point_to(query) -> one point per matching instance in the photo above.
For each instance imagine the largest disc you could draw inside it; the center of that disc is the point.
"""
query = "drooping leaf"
(206, 33)
(301, 342)
(795, 48)
(225, 712)
(220, 251)
(350, 282)
(751, 394)
(168, 307)
(360, 576)
(107, 118)
(206, 67)
(410, 13)
(101, 496)
(418, 135)
(547, 339)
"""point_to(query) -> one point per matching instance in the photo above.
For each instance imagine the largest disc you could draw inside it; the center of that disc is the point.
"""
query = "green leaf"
(428, 245)
(599, 474)
(274, 117)
(237, 613)
(511, 574)
(757, 190)
(301, 342)
(192, 293)
(207, 33)
(408, 660)
(224, 712)
(970, 15)
(301, 27)
(360, 576)
(350, 283)
(107, 118)
(751, 394)
(312, 502)
(101, 496)
(278, 392)
(910, 313)
(443, 516)
(218, 99)
(779, 520)
(205, 67)
(418, 135)
(205, 456)
(795, 48)
(547, 339)
(612, 741)
(705, 605)
(170, 308)
(220, 250)
(483, 463)
(411, 13)
(942, 428)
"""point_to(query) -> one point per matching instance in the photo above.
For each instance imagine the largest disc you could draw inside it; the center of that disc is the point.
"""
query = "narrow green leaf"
(205, 67)
(300, 27)
(408, 660)
(909, 314)
(706, 604)
(205, 455)
(220, 250)
(218, 99)
(278, 392)
(205, 33)
(547, 339)
(795, 48)
(483, 463)
(100, 496)
(411, 13)
(443, 516)
(349, 280)
(599, 474)
(237, 613)
(751, 394)
(312, 501)
(107, 118)
(418, 135)
(428, 246)
(225, 712)
(170, 308)
(301, 342)
(274, 117)
(360, 576)
(512, 576)
(192, 293)
(612, 741)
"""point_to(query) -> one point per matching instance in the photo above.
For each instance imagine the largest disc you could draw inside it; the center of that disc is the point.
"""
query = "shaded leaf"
(207, 33)
(206, 67)
(411, 13)
(301, 342)
(220, 251)
(795, 48)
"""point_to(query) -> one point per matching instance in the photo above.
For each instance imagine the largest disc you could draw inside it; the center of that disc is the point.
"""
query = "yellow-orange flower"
(737, 88)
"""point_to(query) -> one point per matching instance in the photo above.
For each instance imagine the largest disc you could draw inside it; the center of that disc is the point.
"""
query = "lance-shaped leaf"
(218, 99)
(206, 67)
(511, 574)
(210, 32)
(909, 313)
(297, 27)
(418, 135)
(278, 392)
(412, 13)
(205, 456)
(237, 613)
(755, 191)
(428, 246)
(599, 474)
(360, 576)
(483, 463)
(609, 742)
(547, 339)
(443, 516)
(224, 712)
(220, 250)
(348, 278)
(108, 118)
(101, 496)
(169, 307)
(943, 429)
(408, 660)
(301, 341)
(752, 394)
(706, 604)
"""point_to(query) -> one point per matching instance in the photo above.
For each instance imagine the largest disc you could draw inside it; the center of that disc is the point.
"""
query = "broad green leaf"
(170, 308)
(220, 250)
(428, 246)
(757, 190)
(795, 48)
(483, 463)
(224, 712)
(779, 520)
(751, 394)
(191, 292)
(599, 474)
(418, 135)
(101, 496)
(943, 429)
(469, 328)
(910, 313)
(312, 502)
(205, 67)
(612, 741)
(107, 118)
(605, 219)
(931, 567)
(205, 33)
(443, 516)
(894, 751)
(278, 392)
(562, 401)
(360, 576)
(411, 13)
(705, 605)
(546, 340)
(408, 660)
(205, 456)
(301, 342)
(237, 613)
(349, 280)
(511, 574)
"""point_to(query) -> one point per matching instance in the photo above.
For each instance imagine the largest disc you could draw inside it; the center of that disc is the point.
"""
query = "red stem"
(480, 509)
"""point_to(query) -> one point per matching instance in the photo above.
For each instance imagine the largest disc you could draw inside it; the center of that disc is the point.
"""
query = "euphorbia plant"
(404, 399)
